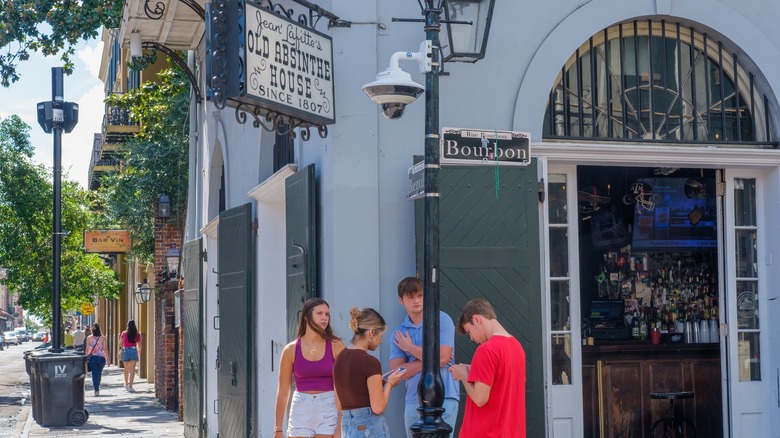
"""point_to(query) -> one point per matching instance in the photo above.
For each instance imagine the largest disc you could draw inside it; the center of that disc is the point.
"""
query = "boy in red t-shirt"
(495, 380)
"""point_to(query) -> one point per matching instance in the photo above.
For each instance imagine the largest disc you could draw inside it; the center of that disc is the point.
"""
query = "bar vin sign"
(461, 146)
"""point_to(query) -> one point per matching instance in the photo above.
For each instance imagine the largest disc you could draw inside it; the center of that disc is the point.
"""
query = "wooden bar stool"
(673, 426)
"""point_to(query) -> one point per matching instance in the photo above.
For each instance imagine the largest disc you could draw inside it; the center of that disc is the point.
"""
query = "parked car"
(38, 337)
(21, 333)
(11, 338)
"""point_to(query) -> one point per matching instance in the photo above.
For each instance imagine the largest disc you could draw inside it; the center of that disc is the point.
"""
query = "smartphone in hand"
(387, 374)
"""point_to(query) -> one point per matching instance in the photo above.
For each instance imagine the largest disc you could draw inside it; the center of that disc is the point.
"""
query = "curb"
(23, 422)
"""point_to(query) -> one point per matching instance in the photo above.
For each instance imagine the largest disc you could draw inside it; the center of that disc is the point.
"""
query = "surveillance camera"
(393, 90)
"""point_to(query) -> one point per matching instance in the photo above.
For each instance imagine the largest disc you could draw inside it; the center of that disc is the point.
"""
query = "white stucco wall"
(366, 228)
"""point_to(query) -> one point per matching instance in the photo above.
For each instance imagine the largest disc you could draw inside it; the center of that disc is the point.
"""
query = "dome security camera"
(393, 89)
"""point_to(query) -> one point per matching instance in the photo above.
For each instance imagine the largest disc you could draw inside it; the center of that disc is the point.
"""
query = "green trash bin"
(61, 387)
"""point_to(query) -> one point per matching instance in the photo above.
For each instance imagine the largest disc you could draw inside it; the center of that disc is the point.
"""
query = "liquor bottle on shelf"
(643, 328)
(635, 327)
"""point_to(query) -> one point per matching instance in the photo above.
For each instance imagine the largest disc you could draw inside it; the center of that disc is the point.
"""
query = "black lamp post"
(57, 116)
(393, 90)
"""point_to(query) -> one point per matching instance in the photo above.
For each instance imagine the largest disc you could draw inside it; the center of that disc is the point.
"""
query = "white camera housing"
(394, 88)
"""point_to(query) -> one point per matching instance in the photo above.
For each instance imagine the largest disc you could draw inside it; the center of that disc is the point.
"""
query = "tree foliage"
(26, 199)
(156, 159)
(50, 27)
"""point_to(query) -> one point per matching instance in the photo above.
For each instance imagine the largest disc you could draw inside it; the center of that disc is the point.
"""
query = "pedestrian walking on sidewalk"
(97, 355)
(130, 340)
(68, 340)
(87, 334)
(79, 338)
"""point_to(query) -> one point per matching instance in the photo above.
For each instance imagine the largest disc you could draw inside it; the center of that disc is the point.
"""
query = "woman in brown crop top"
(357, 377)
(313, 411)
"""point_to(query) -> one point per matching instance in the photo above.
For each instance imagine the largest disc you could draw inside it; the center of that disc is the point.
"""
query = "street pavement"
(115, 413)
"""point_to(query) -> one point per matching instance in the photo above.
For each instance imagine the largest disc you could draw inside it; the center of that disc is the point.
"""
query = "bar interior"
(649, 287)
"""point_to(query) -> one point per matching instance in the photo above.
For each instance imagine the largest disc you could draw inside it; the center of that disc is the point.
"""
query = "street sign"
(416, 182)
(87, 309)
(461, 146)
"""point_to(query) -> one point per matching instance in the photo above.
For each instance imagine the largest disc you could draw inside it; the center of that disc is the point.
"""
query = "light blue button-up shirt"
(446, 339)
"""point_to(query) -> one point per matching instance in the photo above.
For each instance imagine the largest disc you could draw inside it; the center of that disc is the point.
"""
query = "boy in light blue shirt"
(406, 351)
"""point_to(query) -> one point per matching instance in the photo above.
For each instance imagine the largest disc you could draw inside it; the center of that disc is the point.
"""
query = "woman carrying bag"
(97, 356)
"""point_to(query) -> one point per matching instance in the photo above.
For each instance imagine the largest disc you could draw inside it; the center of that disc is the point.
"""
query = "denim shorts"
(363, 422)
(312, 414)
(129, 354)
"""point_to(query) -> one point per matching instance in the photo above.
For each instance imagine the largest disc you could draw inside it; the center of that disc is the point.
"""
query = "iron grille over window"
(657, 81)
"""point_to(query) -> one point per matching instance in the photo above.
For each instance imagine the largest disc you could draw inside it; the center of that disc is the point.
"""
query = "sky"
(83, 87)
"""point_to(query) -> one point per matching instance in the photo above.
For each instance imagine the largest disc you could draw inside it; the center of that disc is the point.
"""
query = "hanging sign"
(87, 309)
(461, 146)
(107, 241)
(288, 67)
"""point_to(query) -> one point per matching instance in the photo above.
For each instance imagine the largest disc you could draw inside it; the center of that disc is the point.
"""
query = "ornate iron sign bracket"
(157, 11)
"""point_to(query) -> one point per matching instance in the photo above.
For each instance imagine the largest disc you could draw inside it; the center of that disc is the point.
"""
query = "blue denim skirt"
(362, 422)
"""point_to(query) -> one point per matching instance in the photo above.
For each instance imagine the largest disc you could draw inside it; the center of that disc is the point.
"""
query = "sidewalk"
(115, 413)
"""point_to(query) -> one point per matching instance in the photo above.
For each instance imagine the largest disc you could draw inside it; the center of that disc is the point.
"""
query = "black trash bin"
(35, 388)
(61, 388)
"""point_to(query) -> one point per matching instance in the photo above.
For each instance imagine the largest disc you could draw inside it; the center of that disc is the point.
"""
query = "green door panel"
(236, 304)
(489, 248)
(302, 244)
(193, 338)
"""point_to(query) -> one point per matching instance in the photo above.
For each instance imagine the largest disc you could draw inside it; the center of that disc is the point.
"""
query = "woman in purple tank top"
(308, 361)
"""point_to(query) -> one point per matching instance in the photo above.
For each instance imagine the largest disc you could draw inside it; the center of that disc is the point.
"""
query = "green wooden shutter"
(236, 309)
(302, 244)
(193, 338)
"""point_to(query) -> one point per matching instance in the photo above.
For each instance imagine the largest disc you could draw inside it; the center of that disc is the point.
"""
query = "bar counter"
(618, 377)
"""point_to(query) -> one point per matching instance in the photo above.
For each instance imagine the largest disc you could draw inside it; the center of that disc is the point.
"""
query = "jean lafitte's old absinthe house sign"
(289, 68)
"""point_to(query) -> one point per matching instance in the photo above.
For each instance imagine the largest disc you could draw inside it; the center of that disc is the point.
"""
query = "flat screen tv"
(607, 312)
(675, 214)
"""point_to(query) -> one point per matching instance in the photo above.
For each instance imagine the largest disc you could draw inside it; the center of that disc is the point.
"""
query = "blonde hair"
(364, 320)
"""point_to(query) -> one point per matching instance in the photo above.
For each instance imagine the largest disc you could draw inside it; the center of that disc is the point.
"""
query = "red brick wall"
(168, 339)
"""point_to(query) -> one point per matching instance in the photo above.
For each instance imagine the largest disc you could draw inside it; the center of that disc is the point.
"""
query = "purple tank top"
(313, 375)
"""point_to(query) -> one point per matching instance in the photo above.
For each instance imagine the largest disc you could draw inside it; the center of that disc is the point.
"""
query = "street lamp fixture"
(393, 91)
(142, 292)
(164, 206)
(172, 257)
(467, 43)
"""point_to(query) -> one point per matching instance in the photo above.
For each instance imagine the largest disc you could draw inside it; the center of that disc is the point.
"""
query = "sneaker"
(130, 389)
(97, 393)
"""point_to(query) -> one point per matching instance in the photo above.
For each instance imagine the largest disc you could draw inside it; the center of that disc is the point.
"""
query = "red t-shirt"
(500, 364)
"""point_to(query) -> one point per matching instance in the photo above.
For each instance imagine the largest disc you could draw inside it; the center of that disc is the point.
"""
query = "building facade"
(622, 100)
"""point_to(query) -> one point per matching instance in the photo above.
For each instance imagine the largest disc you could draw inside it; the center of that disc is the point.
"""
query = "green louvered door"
(193, 339)
(234, 376)
(489, 248)
(301, 213)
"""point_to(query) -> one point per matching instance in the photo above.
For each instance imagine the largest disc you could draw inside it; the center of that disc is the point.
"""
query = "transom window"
(658, 82)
